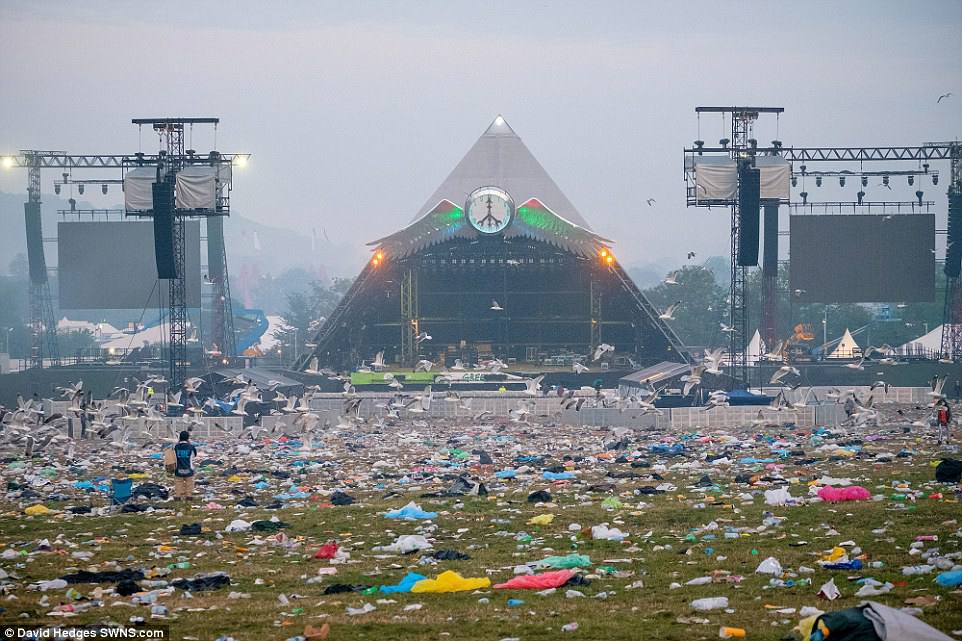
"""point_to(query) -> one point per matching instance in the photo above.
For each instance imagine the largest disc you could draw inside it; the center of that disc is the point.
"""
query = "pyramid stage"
(497, 264)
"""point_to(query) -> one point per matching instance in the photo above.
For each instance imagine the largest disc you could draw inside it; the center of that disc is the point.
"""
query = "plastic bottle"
(712, 603)
(731, 633)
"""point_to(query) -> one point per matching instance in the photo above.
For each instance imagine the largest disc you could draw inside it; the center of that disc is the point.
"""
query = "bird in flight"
(945, 95)
(691, 255)
(651, 201)
(669, 314)
(496, 307)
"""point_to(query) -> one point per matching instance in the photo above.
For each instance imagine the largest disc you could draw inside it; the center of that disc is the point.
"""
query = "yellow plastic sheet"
(451, 582)
(37, 510)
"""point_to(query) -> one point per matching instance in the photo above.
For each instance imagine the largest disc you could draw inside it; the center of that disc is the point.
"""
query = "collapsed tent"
(870, 621)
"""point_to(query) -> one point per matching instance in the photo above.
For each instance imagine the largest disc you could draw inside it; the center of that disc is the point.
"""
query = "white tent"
(150, 335)
(755, 349)
(847, 347)
(924, 345)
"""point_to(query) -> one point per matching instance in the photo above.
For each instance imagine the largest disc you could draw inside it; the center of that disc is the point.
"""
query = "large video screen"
(110, 265)
(862, 258)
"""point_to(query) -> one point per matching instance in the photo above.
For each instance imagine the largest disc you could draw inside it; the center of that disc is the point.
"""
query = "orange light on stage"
(604, 252)
(609, 259)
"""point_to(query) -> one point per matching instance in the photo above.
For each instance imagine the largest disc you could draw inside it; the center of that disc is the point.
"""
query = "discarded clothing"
(127, 587)
(203, 582)
(342, 588)
(150, 491)
(341, 498)
(449, 555)
(83, 576)
(268, 526)
(949, 471)
(541, 496)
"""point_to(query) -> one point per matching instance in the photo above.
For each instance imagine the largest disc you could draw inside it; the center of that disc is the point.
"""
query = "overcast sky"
(356, 111)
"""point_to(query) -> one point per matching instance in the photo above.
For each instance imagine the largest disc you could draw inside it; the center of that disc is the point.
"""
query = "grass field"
(666, 544)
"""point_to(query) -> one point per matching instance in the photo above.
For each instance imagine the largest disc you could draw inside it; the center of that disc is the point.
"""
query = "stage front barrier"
(820, 411)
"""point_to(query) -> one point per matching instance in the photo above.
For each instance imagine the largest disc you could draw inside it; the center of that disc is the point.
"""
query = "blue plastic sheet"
(558, 476)
(949, 579)
(848, 565)
(676, 449)
(404, 585)
(410, 512)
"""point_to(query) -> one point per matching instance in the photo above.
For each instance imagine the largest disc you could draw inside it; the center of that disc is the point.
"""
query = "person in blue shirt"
(184, 471)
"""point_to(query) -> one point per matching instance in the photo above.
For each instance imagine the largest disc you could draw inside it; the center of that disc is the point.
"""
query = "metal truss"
(595, 311)
(410, 323)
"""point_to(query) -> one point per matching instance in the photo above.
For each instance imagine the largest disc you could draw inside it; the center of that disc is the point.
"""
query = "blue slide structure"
(258, 326)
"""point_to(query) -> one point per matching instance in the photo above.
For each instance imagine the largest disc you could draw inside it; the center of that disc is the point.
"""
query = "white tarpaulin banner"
(138, 188)
(776, 176)
(715, 179)
(196, 188)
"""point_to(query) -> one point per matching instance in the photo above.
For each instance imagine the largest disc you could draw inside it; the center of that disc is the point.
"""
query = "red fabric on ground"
(541, 581)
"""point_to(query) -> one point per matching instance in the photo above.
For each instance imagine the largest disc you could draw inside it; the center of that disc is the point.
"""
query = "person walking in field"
(184, 471)
(943, 416)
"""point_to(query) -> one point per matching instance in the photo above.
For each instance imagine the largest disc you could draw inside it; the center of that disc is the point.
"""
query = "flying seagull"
(496, 307)
(691, 255)
(945, 95)
(650, 201)
(669, 314)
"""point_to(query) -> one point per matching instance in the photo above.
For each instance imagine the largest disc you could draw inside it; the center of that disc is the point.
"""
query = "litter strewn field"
(409, 531)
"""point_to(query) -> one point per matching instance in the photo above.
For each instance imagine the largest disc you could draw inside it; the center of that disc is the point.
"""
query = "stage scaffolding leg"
(595, 295)
(409, 316)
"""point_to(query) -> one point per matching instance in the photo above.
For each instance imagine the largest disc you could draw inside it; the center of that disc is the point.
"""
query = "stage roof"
(499, 158)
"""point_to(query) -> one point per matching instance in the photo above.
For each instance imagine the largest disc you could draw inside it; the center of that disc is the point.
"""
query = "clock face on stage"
(489, 209)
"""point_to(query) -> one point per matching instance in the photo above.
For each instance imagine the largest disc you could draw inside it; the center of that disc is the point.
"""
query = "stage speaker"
(749, 189)
(164, 230)
(215, 248)
(35, 259)
(953, 248)
(770, 259)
